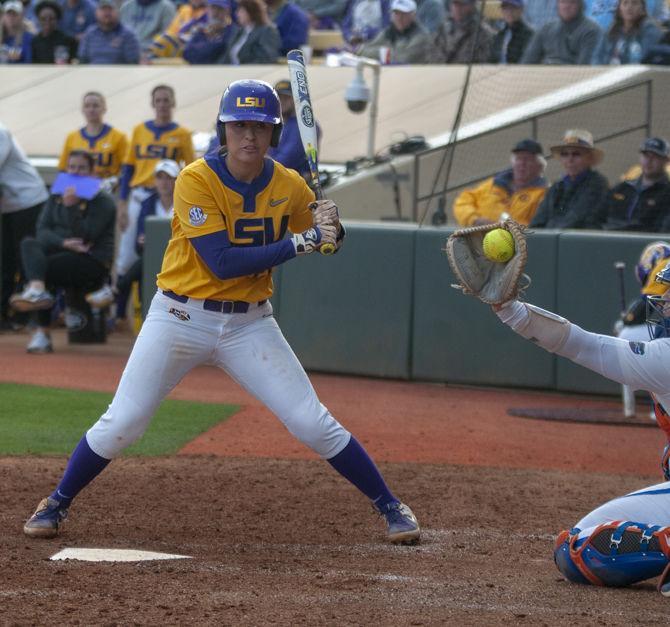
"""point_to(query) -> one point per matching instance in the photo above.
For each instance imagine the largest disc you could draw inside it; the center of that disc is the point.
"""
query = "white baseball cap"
(171, 168)
(404, 6)
(13, 5)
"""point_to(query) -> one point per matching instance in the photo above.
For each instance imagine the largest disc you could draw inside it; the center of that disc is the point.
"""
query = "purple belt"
(220, 306)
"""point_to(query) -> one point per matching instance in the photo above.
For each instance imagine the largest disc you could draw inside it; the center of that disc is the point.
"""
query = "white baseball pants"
(250, 347)
(126, 255)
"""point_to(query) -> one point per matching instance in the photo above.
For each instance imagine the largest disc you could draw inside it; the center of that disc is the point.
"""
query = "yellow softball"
(498, 245)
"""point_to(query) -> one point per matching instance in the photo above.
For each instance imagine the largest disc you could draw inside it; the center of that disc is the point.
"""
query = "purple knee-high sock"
(83, 467)
(355, 465)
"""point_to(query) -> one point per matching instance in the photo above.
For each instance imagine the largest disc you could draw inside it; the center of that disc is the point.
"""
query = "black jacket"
(44, 47)
(521, 34)
(573, 205)
(628, 207)
(93, 221)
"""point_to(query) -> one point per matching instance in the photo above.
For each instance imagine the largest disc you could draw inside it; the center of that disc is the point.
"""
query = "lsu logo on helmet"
(250, 101)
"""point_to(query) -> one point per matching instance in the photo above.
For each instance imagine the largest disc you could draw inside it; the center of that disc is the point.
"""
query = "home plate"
(114, 555)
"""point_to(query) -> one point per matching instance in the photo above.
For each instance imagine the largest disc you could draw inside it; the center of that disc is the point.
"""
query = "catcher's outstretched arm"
(642, 365)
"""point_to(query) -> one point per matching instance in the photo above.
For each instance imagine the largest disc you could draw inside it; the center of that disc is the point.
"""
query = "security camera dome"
(357, 94)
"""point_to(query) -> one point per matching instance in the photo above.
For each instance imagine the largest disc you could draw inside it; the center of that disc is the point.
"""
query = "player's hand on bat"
(325, 212)
(312, 239)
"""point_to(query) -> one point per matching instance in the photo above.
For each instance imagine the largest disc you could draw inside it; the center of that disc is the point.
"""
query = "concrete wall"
(385, 307)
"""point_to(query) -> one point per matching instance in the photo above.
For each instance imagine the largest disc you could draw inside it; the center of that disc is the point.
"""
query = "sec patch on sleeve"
(196, 216)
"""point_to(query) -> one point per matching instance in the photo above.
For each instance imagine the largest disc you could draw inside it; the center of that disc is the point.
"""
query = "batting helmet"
(651, 255)
(658, 303)
(251, 100)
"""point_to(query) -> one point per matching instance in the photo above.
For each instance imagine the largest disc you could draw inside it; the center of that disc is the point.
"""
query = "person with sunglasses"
(575, 200)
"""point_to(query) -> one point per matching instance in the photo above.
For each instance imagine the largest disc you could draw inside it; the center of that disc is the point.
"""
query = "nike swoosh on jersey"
(274, 203)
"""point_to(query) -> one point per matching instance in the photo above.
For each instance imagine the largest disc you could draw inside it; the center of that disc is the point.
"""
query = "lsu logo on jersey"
(250, 101)
(156, 151)
(258, 231)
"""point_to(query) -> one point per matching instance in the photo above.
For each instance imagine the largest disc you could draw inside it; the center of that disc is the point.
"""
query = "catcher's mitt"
(492, 282)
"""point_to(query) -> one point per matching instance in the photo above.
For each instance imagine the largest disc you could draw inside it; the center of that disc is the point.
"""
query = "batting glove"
(325, 212)
(312, 239)
(665, 462)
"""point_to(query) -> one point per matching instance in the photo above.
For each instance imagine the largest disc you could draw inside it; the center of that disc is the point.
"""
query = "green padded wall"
(351, 312)
(588, 293)
(458, 339)
(157, 231)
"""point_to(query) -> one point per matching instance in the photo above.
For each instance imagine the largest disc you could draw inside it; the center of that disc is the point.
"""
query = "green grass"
(38, 420)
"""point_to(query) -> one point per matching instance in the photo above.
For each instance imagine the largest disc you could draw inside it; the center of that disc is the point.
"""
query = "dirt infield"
(278, 538)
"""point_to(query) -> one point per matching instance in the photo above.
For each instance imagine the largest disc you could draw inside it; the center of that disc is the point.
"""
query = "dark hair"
(96, 94)
(85, 155)
(49, 4)
(256, 9)
(617, 24)
(166, 88)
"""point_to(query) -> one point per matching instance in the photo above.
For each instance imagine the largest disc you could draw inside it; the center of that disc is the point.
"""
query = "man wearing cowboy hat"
(574, 201)
(642, 203)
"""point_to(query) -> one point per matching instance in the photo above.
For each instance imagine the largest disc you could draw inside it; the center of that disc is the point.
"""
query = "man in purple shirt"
(108, 41)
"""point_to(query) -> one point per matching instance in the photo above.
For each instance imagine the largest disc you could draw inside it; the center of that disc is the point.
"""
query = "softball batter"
(231, 213)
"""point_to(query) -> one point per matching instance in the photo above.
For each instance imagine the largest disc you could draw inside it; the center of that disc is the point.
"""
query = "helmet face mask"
(252, 101)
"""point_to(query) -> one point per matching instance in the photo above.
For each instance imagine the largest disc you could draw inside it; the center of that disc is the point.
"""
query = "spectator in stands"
(642, 204)
(363, 20)
(147, 18)
(190, 17)
(78, 15)
(431, 14)
(404, 40)
(107, 145)
(159, 204)
(73, 248)
(290, 151)
(291, 22)
(22, 196)
(574, 202)
(108, 41)
(465, 37)
(151, 142)
(15, 38)
(256, 38)
(569, 39)
(511, 41)
(539, 12)
(515, 192)
(52, 45)
(324, 14)
(630, 37)
(211, 39)
(603, 11)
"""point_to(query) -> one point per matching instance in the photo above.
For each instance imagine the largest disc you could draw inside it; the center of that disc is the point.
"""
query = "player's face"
(77, 164)
(575, 160)
(248, 141)
(93, 109)
(163, 103)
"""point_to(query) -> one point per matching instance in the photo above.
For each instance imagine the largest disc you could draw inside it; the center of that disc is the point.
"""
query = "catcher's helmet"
(251, 100)
(658, 305)
(651, 255)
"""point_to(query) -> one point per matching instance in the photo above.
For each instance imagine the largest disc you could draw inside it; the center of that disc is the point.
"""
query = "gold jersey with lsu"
(150, 143)
(108, 148)
(208, 199)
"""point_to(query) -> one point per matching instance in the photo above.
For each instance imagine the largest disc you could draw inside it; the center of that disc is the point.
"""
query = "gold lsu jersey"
(150, 143)
(208, 199)
(108, 148)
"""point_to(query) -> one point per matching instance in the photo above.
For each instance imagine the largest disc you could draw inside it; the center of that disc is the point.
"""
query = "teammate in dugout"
(232, 210)
(625, 540)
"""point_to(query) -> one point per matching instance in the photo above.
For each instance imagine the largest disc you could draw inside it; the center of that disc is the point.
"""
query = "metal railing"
(534, 120)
